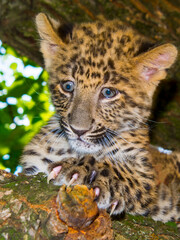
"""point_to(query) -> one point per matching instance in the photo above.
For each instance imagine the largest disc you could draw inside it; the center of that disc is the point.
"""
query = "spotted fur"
(102, 79)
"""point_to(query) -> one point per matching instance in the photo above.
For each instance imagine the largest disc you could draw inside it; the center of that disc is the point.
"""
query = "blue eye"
(108, 92)
(68, 86)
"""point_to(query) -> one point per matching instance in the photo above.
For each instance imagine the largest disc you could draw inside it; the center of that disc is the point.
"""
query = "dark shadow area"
(118, 217)
(164, 94)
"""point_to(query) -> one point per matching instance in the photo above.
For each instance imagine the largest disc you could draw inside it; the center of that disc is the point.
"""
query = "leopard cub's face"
(93, 99)
(99, 80)
(91, 109)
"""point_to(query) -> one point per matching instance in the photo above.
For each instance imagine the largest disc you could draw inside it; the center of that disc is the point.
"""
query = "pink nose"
(79, 132)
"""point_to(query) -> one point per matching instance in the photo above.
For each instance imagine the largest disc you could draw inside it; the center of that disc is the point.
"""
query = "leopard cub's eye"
(68, 86)
(108, 92)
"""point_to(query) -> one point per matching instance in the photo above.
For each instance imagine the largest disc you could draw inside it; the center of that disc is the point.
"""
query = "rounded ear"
(47, 28)
(50, 41)
(152, 65)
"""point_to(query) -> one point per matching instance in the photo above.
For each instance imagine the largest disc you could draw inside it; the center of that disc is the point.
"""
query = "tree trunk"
(157, 19)
(29, 210)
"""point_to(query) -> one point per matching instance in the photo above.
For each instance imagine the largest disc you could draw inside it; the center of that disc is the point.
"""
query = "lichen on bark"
(28, 210)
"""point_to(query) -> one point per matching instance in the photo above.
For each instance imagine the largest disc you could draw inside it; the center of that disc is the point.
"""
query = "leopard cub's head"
(102, 78)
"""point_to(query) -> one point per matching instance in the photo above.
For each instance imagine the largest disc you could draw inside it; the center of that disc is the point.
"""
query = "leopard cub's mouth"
(83, 146)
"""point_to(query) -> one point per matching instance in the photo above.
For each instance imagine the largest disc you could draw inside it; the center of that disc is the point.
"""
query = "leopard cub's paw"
(68, 171)
(93, 174)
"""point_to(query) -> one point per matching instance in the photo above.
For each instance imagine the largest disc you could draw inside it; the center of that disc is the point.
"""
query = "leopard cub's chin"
(81, 146)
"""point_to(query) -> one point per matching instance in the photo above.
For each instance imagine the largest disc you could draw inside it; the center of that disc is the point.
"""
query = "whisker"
(49, 132)
(120, 153)
(59, 131)
(57, 139)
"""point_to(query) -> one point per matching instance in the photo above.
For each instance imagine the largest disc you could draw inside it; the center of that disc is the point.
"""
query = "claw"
(53, 174)
(114, 205)
(97, 192)
(92, 176)
(73, 179)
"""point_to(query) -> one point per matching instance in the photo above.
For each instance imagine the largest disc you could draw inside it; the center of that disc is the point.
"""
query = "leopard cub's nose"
(79, 132)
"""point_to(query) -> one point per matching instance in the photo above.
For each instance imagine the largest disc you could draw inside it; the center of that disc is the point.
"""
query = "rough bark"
(28, 210)
(157, 19)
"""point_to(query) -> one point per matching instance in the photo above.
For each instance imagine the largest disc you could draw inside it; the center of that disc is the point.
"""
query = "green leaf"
(13, 138)
(13, 66)
(20, 87)
(11, 51)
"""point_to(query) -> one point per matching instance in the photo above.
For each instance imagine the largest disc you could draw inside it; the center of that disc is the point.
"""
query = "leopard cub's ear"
(47, 28)
(54, 35)
(152, 65)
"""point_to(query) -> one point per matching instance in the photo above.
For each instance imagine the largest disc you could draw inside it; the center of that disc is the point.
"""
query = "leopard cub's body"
(102, 79)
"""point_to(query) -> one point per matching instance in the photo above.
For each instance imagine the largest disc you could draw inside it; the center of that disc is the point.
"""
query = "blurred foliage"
(24, 104)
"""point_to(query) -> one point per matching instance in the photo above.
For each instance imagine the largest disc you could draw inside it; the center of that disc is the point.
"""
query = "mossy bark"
(28, 210)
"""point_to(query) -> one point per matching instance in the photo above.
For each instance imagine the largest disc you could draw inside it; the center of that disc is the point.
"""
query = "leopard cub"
(102, 79)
